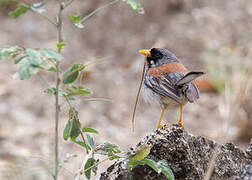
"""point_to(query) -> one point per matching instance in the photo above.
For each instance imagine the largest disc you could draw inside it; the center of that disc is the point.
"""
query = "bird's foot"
(162, 126)
(181, 124)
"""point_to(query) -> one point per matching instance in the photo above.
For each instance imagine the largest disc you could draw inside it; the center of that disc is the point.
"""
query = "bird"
(167, 82)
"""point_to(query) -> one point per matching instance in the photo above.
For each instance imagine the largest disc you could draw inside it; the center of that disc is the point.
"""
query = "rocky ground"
(188, 156)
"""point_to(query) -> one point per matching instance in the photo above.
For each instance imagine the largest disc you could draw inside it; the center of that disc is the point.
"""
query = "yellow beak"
(145, 52)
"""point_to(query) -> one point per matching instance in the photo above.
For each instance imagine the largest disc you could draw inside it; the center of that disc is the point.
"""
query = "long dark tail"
(188, 78)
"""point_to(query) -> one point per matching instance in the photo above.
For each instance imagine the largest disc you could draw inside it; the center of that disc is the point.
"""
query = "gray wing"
(165, 85)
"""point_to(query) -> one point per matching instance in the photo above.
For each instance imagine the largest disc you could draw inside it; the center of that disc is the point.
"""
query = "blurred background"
(211, 36)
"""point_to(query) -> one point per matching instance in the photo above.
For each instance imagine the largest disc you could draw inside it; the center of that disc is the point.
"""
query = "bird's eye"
(151, 62)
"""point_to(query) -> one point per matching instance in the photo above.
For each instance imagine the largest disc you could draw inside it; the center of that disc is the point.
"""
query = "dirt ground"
(114, 36)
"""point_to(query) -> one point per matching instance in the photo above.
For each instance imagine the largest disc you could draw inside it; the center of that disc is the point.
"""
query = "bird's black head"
(158, 57)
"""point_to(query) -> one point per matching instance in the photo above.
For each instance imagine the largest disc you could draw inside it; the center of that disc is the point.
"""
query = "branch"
(60, 39)
(35, 11)
(68, 3)
(43, 15)
(96, 164)
(98, 9)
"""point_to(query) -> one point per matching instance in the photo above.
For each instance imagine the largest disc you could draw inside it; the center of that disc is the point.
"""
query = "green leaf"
(61, 93)
(159, 167)
(74, 139)
(19, 59)
(90, 130)
(90, 162)
(152, 164)
(50, 90)
(110, 150)
(75, 123)
(61, 45)
(72, 74)
(21, 9)
(131, 164)
(30, 59)
(141, 152)
(91, 143)
(35, 58)
(166, 170)
(52, 69)
(76, 20)
(26, 69)
(134, 4)
(77, 90)
(66, 133)
(75, 131)
(95, 168)
(53, 91)
(51, 54)
(6, 52)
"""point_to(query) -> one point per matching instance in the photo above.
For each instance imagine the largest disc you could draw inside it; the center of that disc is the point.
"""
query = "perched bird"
(167, 82)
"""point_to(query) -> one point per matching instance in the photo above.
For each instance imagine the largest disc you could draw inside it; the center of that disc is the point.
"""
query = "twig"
(96, 10)
(97, 99)
(68, 3)
(100, 60)
(96, 164)
(78, 174)
(137, 97)
(44, 16)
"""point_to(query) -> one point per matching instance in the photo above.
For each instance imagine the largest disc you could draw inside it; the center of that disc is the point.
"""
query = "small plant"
(32, 60)
(139, 157)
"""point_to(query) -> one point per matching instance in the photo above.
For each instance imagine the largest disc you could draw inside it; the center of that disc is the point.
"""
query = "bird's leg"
(161, 117)
(180, 120)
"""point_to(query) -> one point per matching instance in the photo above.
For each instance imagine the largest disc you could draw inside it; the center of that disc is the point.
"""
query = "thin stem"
(98, 9)
(44, 16)
(97, 99)
(56, 149)
(68, 3)
(96, 164)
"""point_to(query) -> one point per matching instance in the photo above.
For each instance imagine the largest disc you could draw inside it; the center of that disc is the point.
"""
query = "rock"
(246, 173)
(187, 155)
(249, 150)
